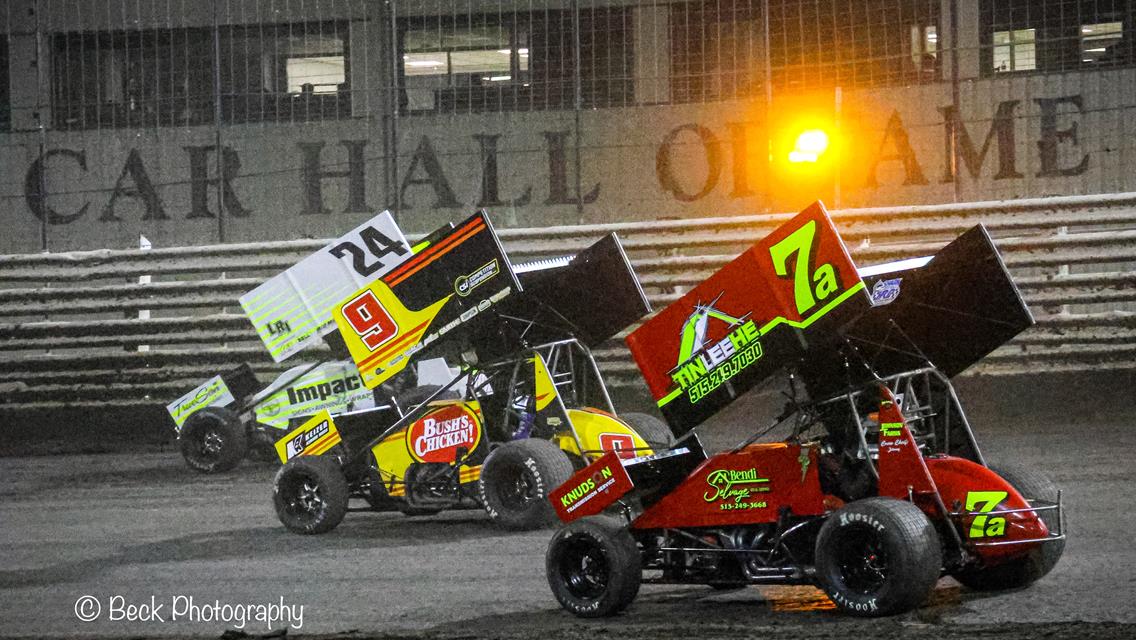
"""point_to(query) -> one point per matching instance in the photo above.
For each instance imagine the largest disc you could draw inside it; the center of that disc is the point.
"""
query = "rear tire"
(516, 479)
(1021, 572)
(653, 430)
(310, 494)
(878, 557)
(594, 567)
(213, 440)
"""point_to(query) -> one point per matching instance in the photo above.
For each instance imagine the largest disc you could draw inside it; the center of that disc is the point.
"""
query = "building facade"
(204, 121)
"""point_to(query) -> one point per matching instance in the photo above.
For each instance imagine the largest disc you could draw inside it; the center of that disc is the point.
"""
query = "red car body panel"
(749, 486)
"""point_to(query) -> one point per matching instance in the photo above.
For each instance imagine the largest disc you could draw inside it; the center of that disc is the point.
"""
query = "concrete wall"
(1030, 135)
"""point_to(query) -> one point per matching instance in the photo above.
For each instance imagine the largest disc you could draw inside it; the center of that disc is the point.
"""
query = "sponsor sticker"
(212, 392)
(465, 284)
(332, 386)
(885, 291)
(733, 489)
(312, 438)
(437, 436)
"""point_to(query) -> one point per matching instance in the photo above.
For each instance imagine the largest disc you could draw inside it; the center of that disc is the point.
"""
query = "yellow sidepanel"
(394, 454)
(380, 332)
(599, 432)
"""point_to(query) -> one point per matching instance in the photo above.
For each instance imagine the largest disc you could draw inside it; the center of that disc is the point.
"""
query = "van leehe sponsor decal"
(466, 284)
(704, 367)
(437, 436)
(579, 495)
(733, 489)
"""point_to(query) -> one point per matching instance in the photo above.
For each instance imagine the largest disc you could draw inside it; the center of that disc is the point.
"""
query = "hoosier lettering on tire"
(516, 479)
(594, 566)
(878, 557)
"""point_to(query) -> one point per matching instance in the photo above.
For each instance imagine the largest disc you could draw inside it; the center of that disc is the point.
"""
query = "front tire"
(1021, 572)
(653, 430)
(310, 494)
(878, 557)
(516, 479)
(213, 440)
(594, 566)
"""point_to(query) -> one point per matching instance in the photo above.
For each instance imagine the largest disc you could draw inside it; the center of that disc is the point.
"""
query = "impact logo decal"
(703, 367)
(733, 489)
(466, 284)
(885, 291)
(437, 436)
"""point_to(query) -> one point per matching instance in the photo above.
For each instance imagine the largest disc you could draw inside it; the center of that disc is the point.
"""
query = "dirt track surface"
(142, 525)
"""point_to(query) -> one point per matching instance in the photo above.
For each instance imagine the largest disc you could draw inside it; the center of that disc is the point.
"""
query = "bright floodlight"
(810, 145)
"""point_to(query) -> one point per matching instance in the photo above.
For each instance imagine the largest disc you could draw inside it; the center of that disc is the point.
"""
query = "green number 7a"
(809, 286)
(984, 526)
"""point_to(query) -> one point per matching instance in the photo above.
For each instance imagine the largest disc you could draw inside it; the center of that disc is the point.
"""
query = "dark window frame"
(1057, 32)
(549, 83)
(173, 84)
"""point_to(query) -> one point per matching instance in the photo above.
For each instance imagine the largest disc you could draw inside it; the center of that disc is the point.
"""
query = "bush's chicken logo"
(438, 436)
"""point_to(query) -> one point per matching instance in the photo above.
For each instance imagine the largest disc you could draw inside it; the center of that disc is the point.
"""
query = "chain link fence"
(196, 121)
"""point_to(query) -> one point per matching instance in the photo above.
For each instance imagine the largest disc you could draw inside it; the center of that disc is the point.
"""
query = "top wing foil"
(445, 290)
(776, 302)
(294, 309)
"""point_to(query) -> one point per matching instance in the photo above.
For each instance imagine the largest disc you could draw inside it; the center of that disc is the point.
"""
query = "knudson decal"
(583, 492)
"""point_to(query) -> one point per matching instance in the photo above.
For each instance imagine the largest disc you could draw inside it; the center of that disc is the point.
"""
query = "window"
(715, 50)
(165, 77)
(1102, 42)
(925, 50)
(519, 61)
(826, 43)
(1055, 35)
(465, 58)
(1014, 50)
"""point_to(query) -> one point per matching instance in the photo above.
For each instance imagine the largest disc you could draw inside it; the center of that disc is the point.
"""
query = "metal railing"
(70, 327)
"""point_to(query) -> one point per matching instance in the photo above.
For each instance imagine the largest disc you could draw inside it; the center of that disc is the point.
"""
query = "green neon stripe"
(802, 324)
(670, 396)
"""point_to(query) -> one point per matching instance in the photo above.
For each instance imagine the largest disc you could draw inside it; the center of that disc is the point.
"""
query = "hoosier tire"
(516, 479)
(877, 557)
(653, 430)
(213, 440)
(310, 494)
(1033, 485)
(594, 567)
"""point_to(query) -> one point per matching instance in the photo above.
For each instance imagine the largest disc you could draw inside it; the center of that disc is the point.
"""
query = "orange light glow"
(810, 145)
